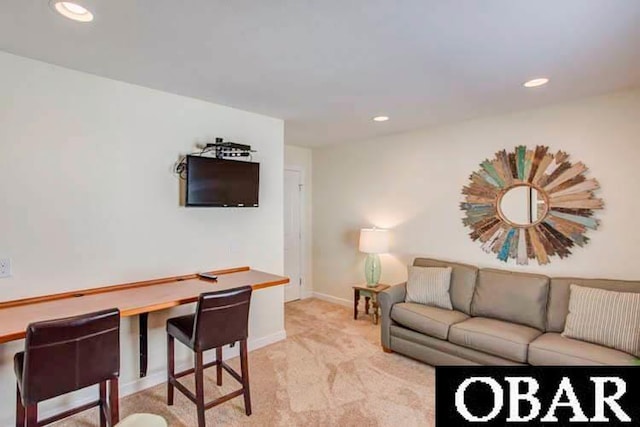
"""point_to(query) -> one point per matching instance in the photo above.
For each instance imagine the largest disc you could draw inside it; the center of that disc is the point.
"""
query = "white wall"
(300, 158)
(88, 198)
(412, 183)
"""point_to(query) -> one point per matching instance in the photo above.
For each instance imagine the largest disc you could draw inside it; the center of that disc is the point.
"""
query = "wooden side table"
(370, 294)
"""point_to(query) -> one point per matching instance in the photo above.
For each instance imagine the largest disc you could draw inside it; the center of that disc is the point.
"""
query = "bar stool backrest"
(68, 354)
(222, 317)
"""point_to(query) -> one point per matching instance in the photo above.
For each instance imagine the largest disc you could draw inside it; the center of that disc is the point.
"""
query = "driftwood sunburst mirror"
(528, 204)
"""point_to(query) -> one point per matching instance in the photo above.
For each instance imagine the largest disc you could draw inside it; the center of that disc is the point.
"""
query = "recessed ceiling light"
(72, 11)
(380, 119)
(536, 82)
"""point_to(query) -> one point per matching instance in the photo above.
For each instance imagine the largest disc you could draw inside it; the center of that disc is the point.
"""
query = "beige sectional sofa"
(499, 317)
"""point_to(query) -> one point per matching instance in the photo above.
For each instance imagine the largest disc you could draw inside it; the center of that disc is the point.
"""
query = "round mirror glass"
(523, 205)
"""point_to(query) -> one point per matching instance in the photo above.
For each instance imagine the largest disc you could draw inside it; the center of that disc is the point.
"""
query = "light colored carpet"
(330, 371)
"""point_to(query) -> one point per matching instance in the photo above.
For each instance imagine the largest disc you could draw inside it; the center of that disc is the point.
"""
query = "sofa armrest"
(386, 300)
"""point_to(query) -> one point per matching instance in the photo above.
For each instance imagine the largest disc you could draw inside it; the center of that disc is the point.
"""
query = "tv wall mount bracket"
(218, 149)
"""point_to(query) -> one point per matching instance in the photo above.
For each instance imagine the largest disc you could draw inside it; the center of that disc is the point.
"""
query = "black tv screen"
(221, 183)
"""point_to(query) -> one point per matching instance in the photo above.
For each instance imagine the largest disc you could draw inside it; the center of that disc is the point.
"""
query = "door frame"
(303, 234)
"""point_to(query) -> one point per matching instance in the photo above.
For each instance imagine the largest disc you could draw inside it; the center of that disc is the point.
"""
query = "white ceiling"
(328, 66)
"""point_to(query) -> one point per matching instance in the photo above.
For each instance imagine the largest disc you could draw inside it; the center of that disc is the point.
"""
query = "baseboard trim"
(306, 294)
(332, 299)
(160, 376)
(155, 377)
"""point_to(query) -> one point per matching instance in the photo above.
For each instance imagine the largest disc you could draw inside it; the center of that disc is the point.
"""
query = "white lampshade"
(374, 240)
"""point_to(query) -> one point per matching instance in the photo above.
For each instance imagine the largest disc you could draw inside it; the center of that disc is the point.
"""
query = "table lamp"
(373, 241)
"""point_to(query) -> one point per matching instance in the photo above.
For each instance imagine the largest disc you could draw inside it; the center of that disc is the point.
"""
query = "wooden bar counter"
(132, 299)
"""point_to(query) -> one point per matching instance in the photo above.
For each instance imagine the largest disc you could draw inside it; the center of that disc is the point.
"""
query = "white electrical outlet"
(5, 267)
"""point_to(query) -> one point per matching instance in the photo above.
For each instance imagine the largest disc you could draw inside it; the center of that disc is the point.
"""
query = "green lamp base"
(372, 269)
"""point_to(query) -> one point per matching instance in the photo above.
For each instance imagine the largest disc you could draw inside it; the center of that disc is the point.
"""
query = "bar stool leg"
(171, 368)
(244, 367)
(113, 401)
(103, 404)
(32, 415)
(199, 374)
(20, 413)
(219, 366)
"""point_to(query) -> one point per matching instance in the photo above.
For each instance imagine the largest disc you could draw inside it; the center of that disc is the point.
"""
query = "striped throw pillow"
(608, 318)
(429, 286)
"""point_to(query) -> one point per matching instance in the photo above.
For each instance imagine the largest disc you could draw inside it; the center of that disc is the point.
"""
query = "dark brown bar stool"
(65, 355)
(221, 318)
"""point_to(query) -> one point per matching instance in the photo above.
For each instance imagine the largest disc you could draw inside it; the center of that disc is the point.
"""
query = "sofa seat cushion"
(503, 339)
(428, 320)
(554, 349)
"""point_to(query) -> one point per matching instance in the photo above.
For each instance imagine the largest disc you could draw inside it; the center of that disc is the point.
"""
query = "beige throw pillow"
(604, 317)
(429, 286)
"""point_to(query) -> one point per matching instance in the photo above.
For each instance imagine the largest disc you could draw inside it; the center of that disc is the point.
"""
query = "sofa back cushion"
(512, 297)
(558, 307)
(463, 281)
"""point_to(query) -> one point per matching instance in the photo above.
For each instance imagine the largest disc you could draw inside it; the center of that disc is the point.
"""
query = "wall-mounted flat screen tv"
(221, 183)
